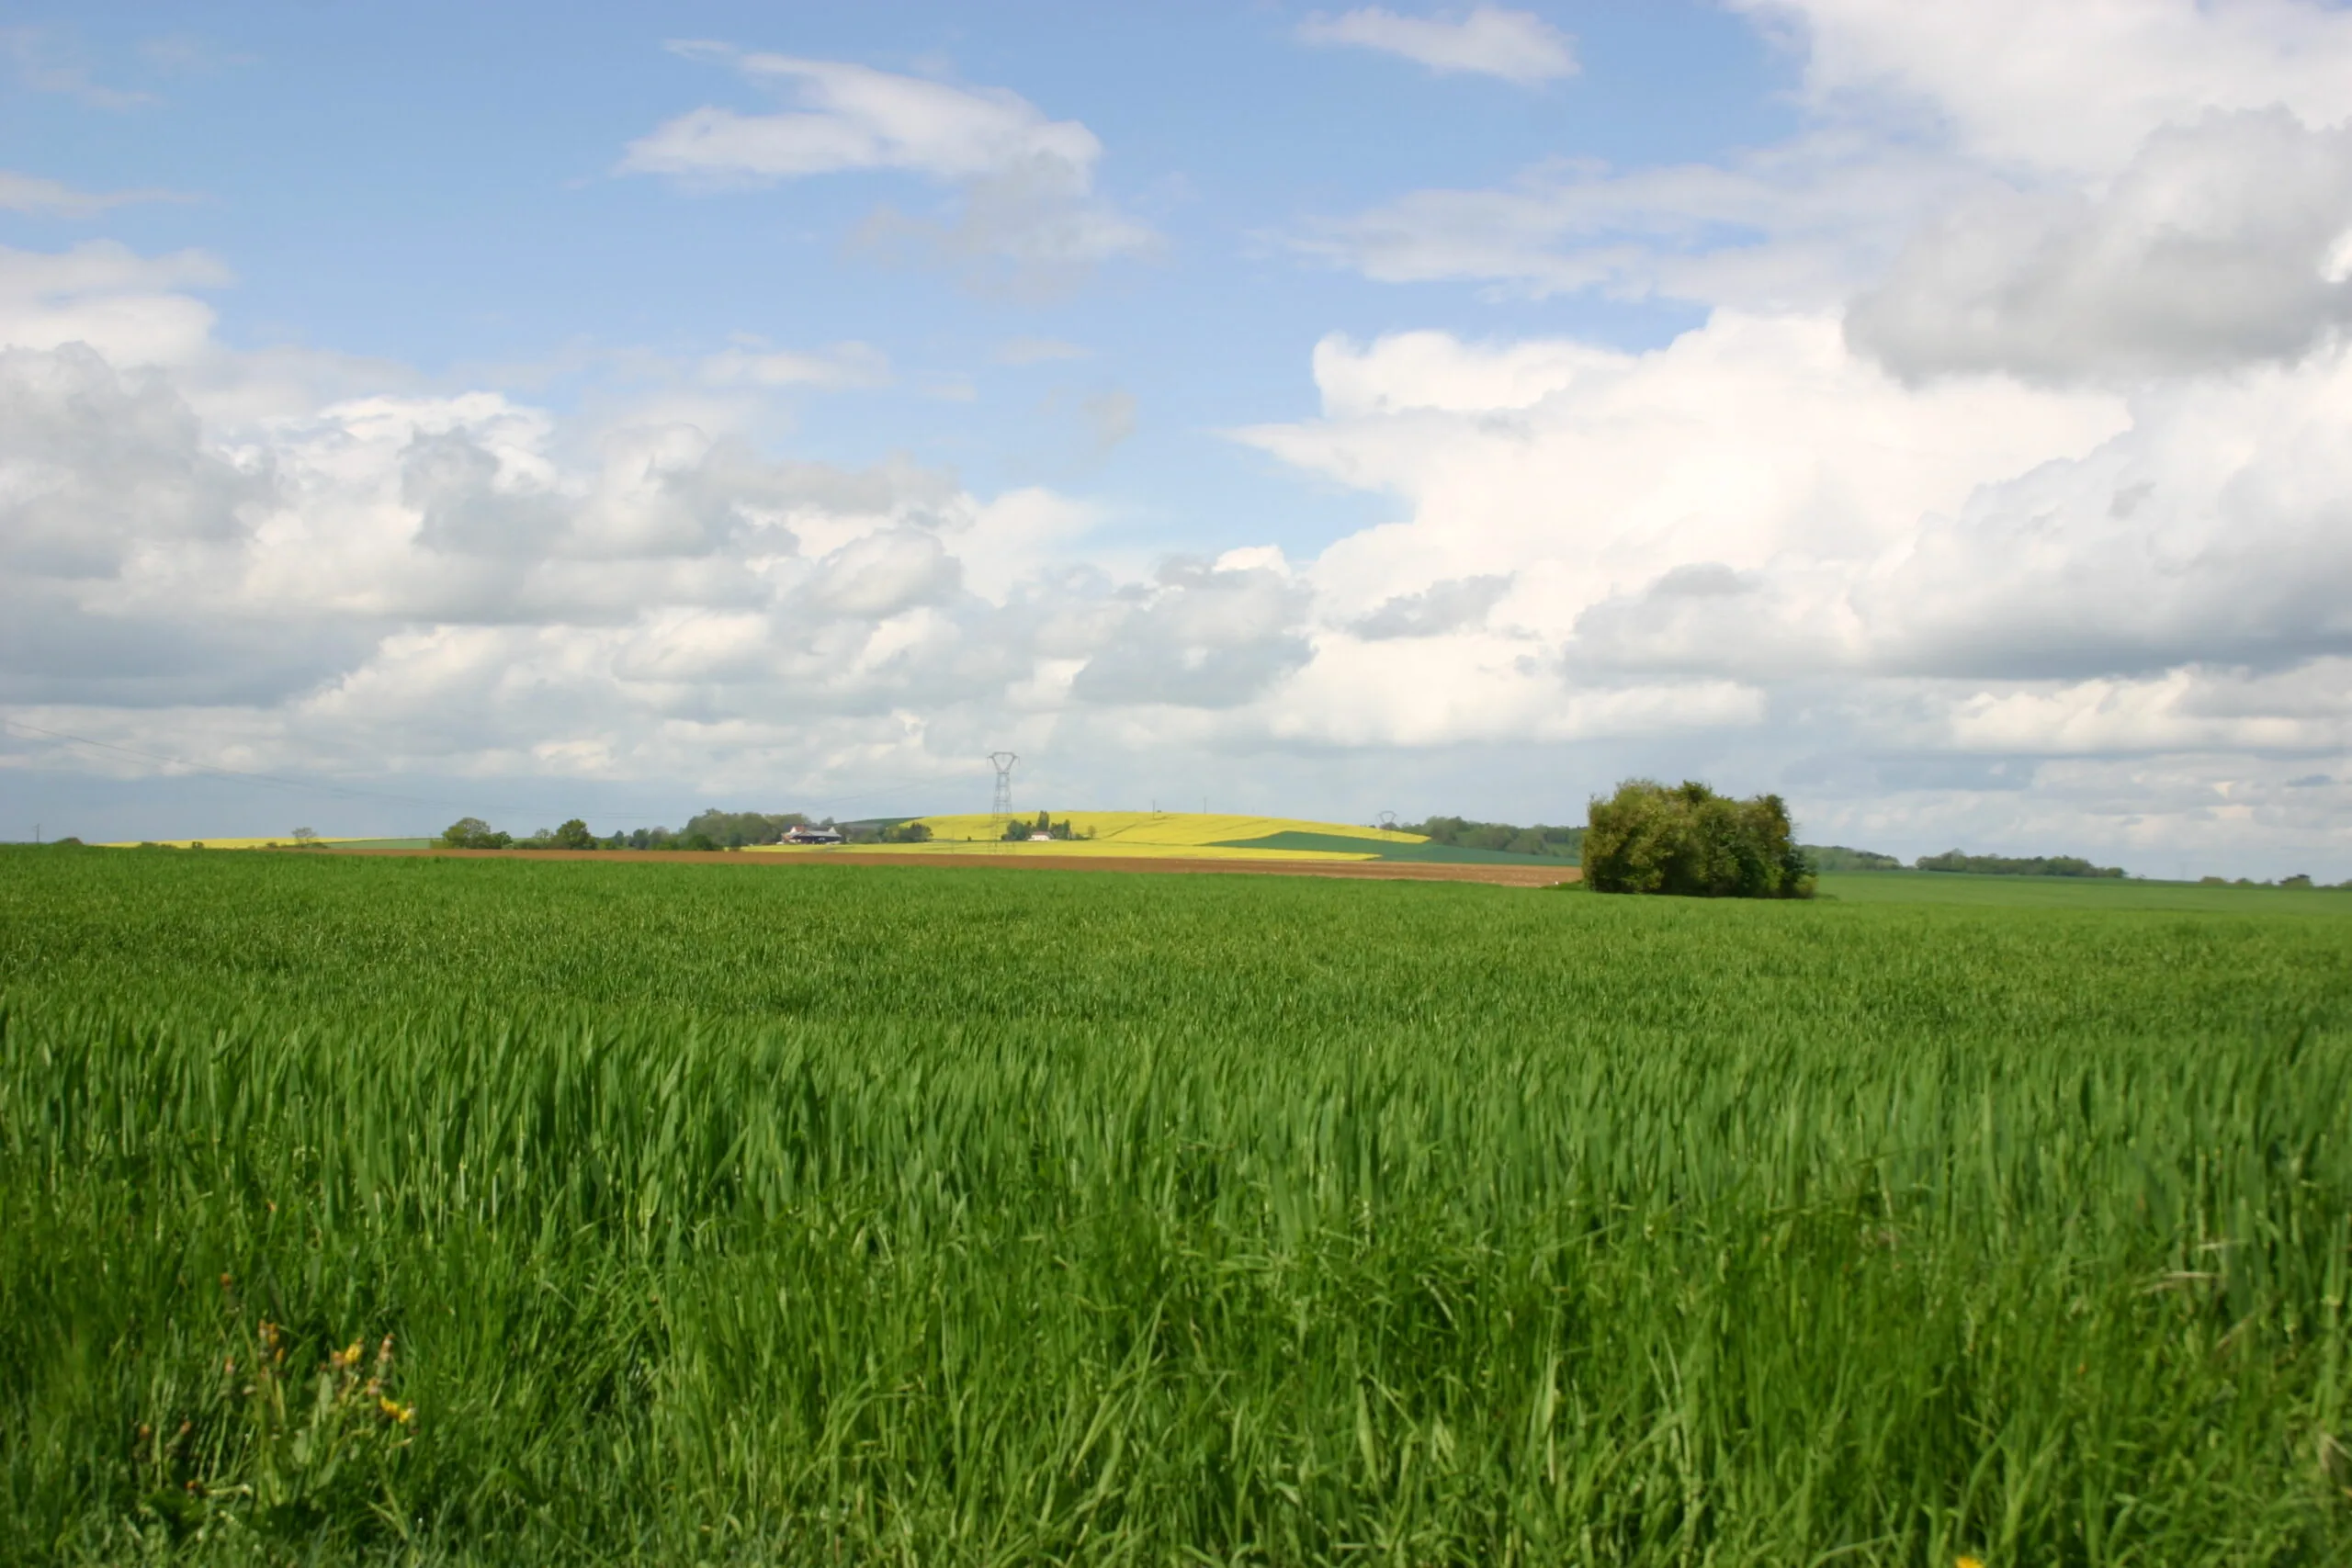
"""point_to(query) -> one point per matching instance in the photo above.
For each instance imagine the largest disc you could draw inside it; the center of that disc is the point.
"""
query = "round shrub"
(1688, 840)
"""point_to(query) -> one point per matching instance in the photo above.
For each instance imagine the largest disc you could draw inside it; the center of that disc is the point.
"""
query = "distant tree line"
(2010, 865)
(1562, 843)
(712, 829)
(473, 834)
(1837, 857)
(900, 832)
(1021, 829)
(723, 830)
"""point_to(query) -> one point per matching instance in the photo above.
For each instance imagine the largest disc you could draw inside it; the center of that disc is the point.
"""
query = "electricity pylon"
(1002, 809)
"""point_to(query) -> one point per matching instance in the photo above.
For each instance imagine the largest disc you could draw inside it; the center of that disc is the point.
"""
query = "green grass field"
(742, 1214)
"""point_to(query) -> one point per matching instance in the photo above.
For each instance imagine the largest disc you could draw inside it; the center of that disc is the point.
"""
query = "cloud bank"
(2012, 430)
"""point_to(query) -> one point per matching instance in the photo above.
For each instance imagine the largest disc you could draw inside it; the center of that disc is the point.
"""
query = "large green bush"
(1648, 838)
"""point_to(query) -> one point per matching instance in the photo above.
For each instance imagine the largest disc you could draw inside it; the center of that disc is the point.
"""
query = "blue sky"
(1336, 410)
(454, 207)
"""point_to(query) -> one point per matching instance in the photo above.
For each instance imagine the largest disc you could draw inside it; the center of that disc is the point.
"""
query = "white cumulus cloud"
(1489, 40)
(2217, 245)
(1025, 182)
(2074, 89)
(854, 116)
(45, 198)
(1759, 533)
(134, 309)
(754, 363)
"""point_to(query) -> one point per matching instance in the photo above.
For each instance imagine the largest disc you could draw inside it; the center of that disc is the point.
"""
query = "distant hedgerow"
(473, 834)
(2012, 865)
(1837, 857)
(1688, 840)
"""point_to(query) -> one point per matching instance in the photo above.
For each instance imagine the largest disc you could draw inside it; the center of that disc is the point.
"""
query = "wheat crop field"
(421, 1210)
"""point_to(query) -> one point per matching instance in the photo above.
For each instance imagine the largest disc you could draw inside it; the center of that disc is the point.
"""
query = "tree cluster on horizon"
(1460, 832)
(707, 829)
(1686, 839)
(2015, 866)
(1021, 829)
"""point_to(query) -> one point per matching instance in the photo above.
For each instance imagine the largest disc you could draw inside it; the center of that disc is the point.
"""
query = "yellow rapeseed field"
(1074, 849)
(1136, 832)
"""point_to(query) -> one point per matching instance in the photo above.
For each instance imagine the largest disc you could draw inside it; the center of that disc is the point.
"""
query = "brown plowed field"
(1534, 874)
